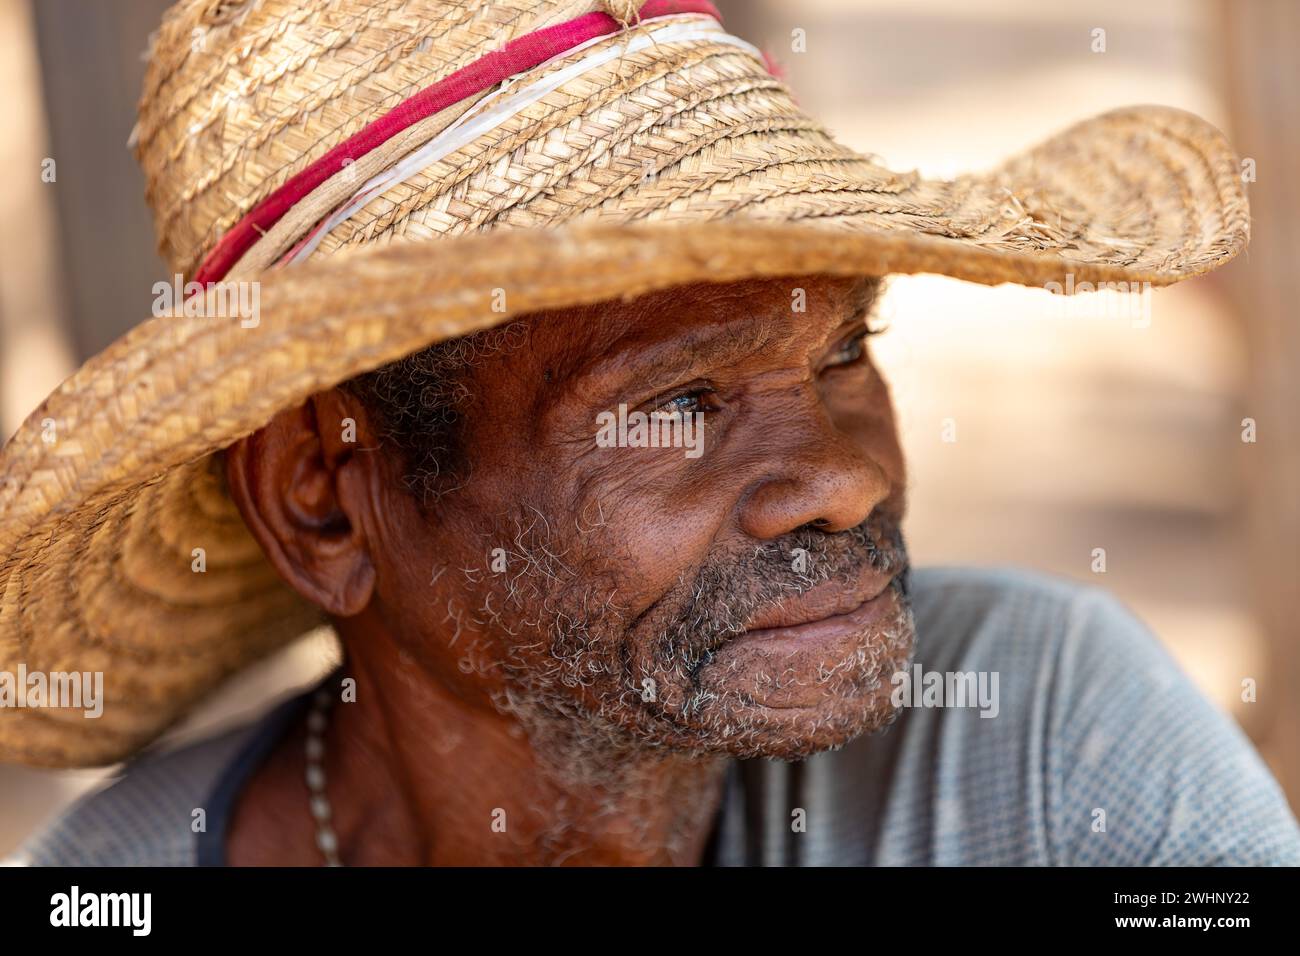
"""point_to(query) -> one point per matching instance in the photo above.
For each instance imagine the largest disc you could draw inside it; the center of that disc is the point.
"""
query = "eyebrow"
(722, 345)
(673, 361)
(735, 340)
(865, 297)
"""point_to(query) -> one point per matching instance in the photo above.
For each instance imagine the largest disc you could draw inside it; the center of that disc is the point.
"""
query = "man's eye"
(850, 351)
(685, 404)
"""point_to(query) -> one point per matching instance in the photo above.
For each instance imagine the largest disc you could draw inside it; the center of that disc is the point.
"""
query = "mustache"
(728, 590)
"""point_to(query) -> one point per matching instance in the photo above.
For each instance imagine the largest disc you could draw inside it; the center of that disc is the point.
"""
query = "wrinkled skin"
(575, 637)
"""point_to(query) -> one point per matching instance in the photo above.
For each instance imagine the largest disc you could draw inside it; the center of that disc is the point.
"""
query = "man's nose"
(825, 480)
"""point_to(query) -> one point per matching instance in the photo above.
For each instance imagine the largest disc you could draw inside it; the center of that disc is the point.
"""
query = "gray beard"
(620, 745)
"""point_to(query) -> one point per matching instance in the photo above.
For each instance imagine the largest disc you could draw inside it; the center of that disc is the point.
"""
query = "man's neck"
(417, 776)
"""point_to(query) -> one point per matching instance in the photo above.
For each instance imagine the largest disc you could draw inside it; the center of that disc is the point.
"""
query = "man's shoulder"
(969, 616)
(146, 815)
(994, 585)
(1058, 647)
(1042, 722)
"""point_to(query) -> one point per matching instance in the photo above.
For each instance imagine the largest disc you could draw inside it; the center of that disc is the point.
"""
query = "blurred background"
(1036, 434)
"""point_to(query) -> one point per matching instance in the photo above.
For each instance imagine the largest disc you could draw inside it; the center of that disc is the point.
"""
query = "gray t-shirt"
(1097, 751)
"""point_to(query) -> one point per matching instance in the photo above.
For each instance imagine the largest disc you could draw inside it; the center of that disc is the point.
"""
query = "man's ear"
(305, 489)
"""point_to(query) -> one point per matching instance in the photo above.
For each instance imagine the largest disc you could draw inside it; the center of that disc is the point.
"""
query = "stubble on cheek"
(583, 674)
(797, 701)
(750, 700)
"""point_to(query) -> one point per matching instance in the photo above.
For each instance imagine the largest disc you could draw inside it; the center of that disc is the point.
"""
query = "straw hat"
(367, 165)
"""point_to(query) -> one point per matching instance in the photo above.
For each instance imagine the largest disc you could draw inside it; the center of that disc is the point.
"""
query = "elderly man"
(601, 511)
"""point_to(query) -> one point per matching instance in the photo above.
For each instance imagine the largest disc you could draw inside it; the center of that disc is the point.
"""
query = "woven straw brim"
(97, 528)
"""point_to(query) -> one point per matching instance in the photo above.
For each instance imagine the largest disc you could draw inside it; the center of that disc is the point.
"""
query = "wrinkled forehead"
(723, 320)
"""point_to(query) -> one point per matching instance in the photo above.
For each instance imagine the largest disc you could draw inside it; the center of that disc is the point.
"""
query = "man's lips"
(829, 599)
(826, 632)
(831, 642)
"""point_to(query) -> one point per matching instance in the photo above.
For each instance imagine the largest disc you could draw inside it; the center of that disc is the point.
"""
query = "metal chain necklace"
(322, 813)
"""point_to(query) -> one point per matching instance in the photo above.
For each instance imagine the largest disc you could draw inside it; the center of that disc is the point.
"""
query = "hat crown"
(241, 97)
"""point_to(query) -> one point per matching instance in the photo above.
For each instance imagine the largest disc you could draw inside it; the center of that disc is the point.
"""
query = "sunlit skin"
(594, 688)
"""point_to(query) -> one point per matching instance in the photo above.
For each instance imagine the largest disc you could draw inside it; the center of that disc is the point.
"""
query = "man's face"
(744, 595)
